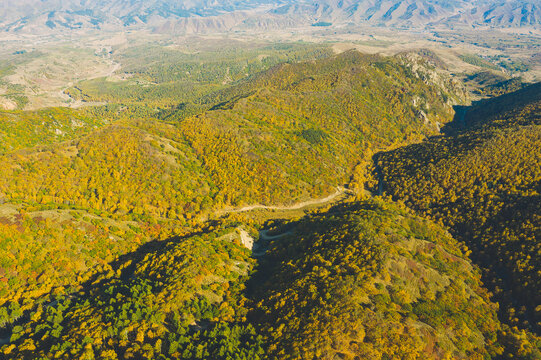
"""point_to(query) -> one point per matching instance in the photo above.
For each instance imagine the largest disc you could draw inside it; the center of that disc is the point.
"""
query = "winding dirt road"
(339, 191)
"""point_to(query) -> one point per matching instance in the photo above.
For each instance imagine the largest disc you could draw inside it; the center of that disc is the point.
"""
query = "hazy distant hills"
(198, 16)
(374, 12)
(32, 15)
(501, 14)
(418, 13)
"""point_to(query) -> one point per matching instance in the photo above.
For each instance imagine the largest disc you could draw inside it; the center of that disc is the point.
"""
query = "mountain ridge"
(209, 16)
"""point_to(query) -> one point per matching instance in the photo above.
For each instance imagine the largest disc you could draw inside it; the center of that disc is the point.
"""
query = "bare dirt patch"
(7, 104)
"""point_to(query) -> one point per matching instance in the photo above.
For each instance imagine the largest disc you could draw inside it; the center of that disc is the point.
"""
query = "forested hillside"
(180, 78)
(331, 114)
(483, 182)
(369, 280)
(20, 129)
(180, 298)
(363, 280)
(294, 132)
(126, 232)
(306, 124)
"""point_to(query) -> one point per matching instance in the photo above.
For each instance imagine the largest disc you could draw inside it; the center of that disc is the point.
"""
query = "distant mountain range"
(418, 13)
(197, 16)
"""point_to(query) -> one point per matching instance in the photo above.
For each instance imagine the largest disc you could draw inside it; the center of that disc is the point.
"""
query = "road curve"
(339, 191)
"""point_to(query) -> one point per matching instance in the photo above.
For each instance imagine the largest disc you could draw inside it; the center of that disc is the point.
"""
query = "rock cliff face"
(200, 16)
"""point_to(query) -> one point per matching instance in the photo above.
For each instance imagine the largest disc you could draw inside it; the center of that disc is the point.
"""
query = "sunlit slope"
(301, 129)
(363, 280)
(20, 129)
(71, 208)
(484, 183)
(295, 131)
(121, 169)
(292, 133)
(179, 77)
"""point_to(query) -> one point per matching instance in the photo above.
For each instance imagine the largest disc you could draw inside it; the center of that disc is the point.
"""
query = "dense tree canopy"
(484, 183)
